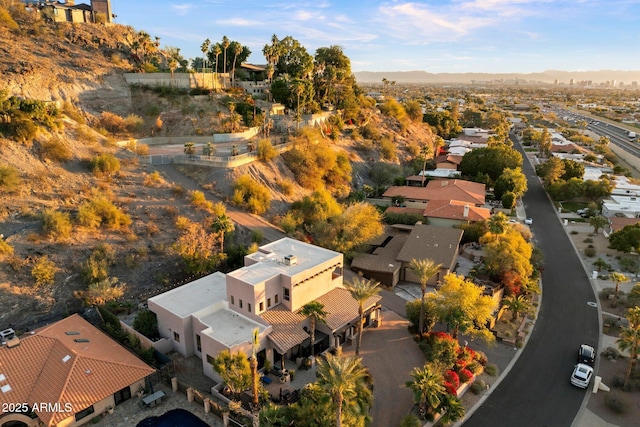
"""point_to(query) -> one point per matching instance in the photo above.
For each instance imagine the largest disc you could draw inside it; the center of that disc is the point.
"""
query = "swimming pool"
(173, 418)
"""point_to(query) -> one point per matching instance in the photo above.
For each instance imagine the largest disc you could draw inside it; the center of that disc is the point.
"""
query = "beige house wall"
(211, 81)
(168, 323)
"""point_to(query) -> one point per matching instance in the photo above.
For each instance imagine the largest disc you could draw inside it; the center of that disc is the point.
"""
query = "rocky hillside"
(81, 66)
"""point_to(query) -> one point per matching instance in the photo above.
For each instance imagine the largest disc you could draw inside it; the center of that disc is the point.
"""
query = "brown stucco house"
(66, 374)
(469, 192)
(388, 261)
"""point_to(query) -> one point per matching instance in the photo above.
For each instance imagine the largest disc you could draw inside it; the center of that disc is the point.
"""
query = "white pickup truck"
(632, 135)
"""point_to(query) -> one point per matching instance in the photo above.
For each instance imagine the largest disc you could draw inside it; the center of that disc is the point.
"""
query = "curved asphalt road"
(536, 392)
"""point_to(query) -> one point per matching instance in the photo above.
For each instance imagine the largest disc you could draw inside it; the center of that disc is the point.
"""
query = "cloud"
(239, 22)
(182, 9)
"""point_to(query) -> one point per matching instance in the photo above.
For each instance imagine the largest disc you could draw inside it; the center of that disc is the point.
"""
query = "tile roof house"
(388, 261)
(71, 371)
(221, 312)
(438, 189)
(448, 213)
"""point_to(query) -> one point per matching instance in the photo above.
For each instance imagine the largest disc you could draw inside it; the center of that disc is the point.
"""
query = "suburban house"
(65, 374)
(449, 213)
(68, 11)
(262, 302)
(390, 254)
(624, 200)
(472, 193)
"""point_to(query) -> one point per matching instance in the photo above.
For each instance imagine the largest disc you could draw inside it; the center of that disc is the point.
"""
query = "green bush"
(56, 225)
(96, 267)
(387, 149)
(146, 322)
(44, 271)
(590, 252)
(251, 195)
(410, 420)
(614, 403)
(100, 211)
(478, 387)
(491, 369)
(266, 151)
(5, 248)
(105, 164)
(55, 150)
(9, 179)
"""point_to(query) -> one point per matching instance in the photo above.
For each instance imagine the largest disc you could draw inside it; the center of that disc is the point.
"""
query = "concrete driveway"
(390, 354)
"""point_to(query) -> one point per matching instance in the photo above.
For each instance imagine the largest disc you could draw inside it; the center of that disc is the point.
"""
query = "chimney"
(465, 211)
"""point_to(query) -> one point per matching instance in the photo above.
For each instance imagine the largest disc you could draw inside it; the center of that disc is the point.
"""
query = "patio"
(278, 387)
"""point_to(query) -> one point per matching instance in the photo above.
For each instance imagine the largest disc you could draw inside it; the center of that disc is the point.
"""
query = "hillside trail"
(268, 231)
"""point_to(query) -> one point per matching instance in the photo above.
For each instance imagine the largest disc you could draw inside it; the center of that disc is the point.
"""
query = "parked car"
(528, 220)
(586, 355)
(581, 375)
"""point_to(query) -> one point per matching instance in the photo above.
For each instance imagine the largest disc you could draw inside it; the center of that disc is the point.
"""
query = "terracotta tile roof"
(288, 326)
(620, 223)
(439, 244)
(442, 189)
(453, 209)
(51, 366)
(401, 210)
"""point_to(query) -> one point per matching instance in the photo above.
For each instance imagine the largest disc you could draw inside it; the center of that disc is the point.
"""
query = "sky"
(436, 36)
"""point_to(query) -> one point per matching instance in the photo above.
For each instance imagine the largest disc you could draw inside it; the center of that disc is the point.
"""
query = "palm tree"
(204, 48)
(497, 223)
(428, 389)
(361, 290)
(237, 50)
(617, 279)
(315, 312)
(173, 64)
(217, 50)
(225, 46)
(629, 340)
(272, 416)
(425, 150)
(425, 269)
(451, 409)
(597, 222)
(344, 380)
(516, 304)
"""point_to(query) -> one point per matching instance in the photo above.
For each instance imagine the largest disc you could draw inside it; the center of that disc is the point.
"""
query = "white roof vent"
(66, 358)
(5, 388)
(290, 260)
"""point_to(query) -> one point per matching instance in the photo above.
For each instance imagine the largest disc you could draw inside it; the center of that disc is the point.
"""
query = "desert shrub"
(403, 218)
(154, 179)
(56, 225)
(266, 151)
(491, 369)
(481, 357)
(182, 222)
(9, 179)
(44, 271)
(133, 123)
(178, 190)
(100, 211)
(286, 187)
(96, 267)
(574, 232)
(74, 113)
(86, 135)
(142, 150)
(290, 223)
(588, 240)
(478, 387)
(105, 164)
(251, 195)
(611, 353)
(475, 367)
(590, 252)
(410, 420)
(146, 322)
(387, 149)
(111, 122)
(103, 291)
(7, 21)
(6, 250)
(617, 382)
(370, 131)
(614, 403)
(55, 150)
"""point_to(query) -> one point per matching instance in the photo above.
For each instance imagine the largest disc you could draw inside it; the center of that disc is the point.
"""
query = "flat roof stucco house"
(222, 312)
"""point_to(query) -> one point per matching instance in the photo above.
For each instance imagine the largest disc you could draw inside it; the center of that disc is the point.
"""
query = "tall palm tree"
(497, 223)
(344, 380)
(425, 150)
(204, 48)
(361, 290)
(225, 46)
(173, 64)
(629, 340)
(217, 51)
(428, 388)
(315, 312)
(618, 278)
(425, 269)
(237, 50)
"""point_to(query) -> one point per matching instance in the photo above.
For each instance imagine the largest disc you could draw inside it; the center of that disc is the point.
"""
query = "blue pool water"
(173, 418)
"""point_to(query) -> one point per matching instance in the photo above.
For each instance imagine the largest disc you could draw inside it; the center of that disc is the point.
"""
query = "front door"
(122, 395)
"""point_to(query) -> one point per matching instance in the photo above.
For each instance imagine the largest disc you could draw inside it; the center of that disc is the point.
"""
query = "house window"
(198, 343)
(210, 360)
(261, 306)
(85, 413)
(276, 299)
(233, 300)
(176, 337)
(240, 303)
(249, 307)
(286, 294)
(268, 302)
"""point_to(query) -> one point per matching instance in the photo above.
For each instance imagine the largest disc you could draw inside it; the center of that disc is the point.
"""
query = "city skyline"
(440, 36)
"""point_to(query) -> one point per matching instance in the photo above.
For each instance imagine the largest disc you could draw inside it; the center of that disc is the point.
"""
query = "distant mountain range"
(549, 76)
